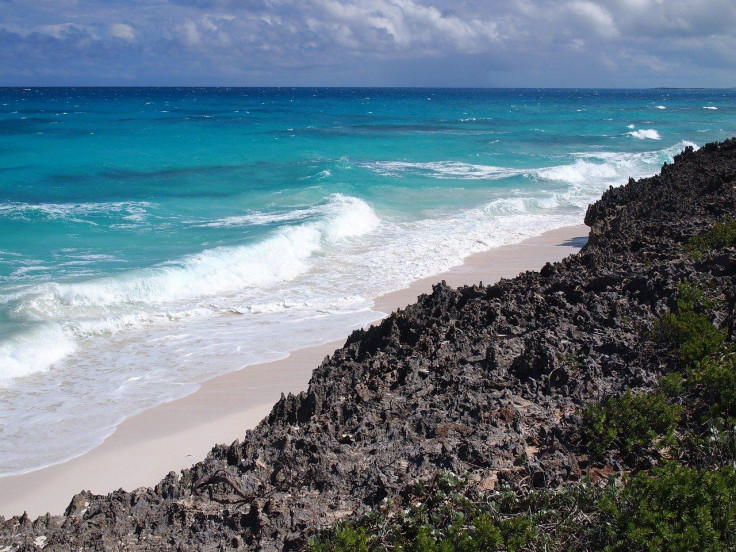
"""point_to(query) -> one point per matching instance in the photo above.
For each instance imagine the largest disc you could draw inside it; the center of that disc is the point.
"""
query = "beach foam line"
(212, 272)
(443, 170)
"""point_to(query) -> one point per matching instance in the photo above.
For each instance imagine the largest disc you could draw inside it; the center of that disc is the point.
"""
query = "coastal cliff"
(498, 383)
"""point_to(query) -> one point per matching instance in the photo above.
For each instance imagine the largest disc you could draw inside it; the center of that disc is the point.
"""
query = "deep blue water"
(152, 238)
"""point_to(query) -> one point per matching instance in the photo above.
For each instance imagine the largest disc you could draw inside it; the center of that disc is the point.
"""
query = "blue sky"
(580, 43)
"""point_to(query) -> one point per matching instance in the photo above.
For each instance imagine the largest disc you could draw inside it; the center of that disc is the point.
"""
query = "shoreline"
(177, 434)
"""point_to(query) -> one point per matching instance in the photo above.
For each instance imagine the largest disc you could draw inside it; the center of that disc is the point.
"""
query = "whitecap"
(645, 134)
(279, 257)
(72, 212)
(444, 170)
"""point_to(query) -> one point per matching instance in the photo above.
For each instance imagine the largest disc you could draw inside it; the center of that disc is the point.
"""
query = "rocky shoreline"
(488, 381)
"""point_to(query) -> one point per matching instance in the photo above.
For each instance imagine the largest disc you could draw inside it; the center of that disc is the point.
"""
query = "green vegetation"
(345, 538)
(689, 330)
(632, 424)
(674, 509)
(684, 504)
(722, 234)
(706, 382)
(713, 380)
(670, 509)
(448, 515)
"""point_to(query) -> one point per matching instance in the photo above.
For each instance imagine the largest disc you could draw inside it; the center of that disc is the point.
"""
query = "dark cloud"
(369, 42)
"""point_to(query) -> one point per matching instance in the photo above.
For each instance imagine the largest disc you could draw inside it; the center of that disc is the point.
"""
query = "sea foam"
(443, 169)
(33, 351)
(645, 134)
(216, 271)
(73, 212)
(594, 168)
(66, 313)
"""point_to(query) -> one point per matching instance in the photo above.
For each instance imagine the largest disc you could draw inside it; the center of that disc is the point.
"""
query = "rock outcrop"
(488, 380)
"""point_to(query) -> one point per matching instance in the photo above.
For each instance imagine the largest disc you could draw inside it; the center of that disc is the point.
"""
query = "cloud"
(381, 42)
(123, 31)
(189, 33)
(65, 31)
(395, 25)
(596, 16)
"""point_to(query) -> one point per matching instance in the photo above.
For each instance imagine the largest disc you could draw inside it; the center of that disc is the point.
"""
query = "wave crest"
(175, 290)
(645, 134)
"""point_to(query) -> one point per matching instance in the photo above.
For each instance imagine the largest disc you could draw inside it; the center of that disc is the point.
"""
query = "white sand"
(175, 435)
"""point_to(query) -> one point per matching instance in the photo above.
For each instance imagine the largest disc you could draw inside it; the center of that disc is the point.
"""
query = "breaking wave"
(62, 314)
(645, 134)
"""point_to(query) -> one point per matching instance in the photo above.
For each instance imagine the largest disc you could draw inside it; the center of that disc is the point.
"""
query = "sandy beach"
(175, 435)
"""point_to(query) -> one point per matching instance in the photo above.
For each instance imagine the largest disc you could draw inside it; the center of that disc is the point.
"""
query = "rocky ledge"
(487, 381)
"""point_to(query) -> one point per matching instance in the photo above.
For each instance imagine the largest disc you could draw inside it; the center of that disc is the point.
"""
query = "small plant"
(689, 330)
(671, 384)
(574, 362)
(346, 538)
(722, 234)
(631, 424)
(714, 381)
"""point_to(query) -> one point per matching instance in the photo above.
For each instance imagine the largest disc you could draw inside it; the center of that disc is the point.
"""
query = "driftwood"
(220, 476)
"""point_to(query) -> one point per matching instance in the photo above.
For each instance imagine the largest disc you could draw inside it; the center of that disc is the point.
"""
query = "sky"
(482, 43)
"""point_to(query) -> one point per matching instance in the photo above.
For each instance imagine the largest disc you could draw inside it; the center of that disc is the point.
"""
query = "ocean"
(153, 238)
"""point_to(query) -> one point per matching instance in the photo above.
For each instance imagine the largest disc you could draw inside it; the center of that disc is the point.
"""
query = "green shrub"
(688, 329)
(721, 235)
(692, 334)
(631, 424)
(675, 509)
(714, 381)
(485, 535)
(714, 447)
(672, 384)
(517, 533)
(426, 542)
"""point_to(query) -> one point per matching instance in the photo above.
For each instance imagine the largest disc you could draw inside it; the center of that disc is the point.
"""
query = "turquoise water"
(153, 238)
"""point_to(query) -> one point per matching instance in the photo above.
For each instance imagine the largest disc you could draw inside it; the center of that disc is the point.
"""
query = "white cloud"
(61, 30)
(597, 17)
(123, 31)
(189, 33)
(396, 25)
